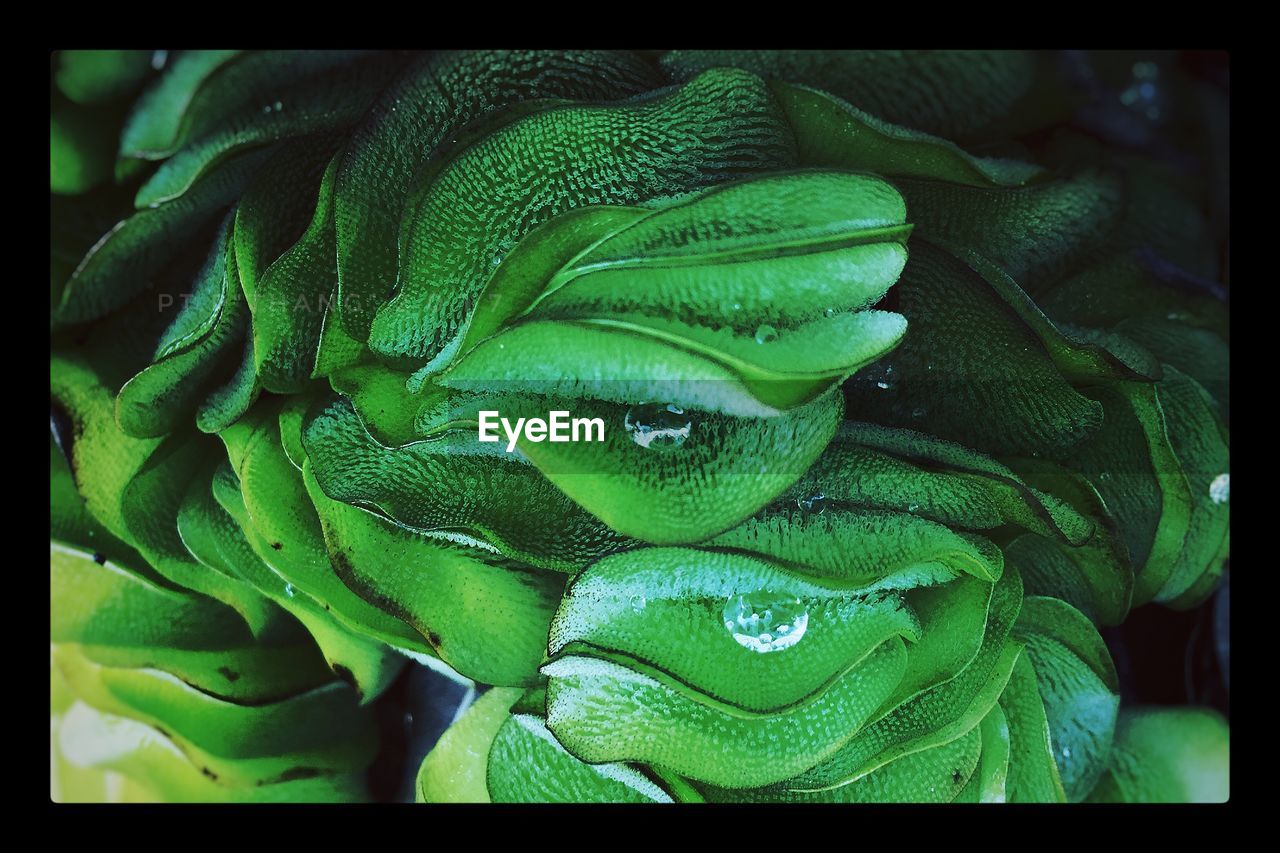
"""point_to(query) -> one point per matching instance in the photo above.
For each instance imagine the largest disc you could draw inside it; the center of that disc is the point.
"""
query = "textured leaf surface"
(721, 126)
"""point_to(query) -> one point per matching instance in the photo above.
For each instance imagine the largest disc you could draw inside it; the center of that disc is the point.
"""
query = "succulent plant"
(912, 375)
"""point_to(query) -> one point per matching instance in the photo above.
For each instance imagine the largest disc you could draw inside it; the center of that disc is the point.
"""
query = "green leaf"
(948, 92)
(1167, 755)
(279, 204)
(175, 98)
(75, 224)
(970, 370)
(1083, 356)
(1034, 233)
(332, 97)
(269, 500)
(1125, 286)
(217, 535)
(456, 768)
(150, 505)
(897, 470)
(718, 127)
(923, 713)
(155, 769)
(864, 548)
(832, 133)
(1079, 687)
(486, 618)
(117, 617)
(81, 146)
(384, 403)
(604, 712)
(206, 97)
(134, 487)
(318, 732)
(70, 522)
(1201, 354)
(455, 490)
(703, 276)
(1033, 771)
(431, 101)
(209, 327)
(1130, 465)
(624, 362)
(92, 76)
(714, 472)
(527, 765)
(663, 611)
(992, 773)
(292, 300)
(1197, 438)
(1095, 578)
(936, 775)
(228, 402)
(526, 271)
(124, 261)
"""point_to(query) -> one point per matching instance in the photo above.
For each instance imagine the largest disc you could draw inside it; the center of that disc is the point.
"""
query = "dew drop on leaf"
(815, 504)
(1220, 489)
(657, 425)
(766, 621)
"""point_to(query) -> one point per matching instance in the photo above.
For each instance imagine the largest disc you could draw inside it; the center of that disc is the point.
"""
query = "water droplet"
(765, 621)
(1104, 476)
(1220, 489)
(278, 106)
(766, 334)
(657, 425)
(815, 503)
(737, 306)
(497, 260)
(159, 58)
(638, 602)
(884, 385)
(913, 507)
(288, 590)
(829, 312)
